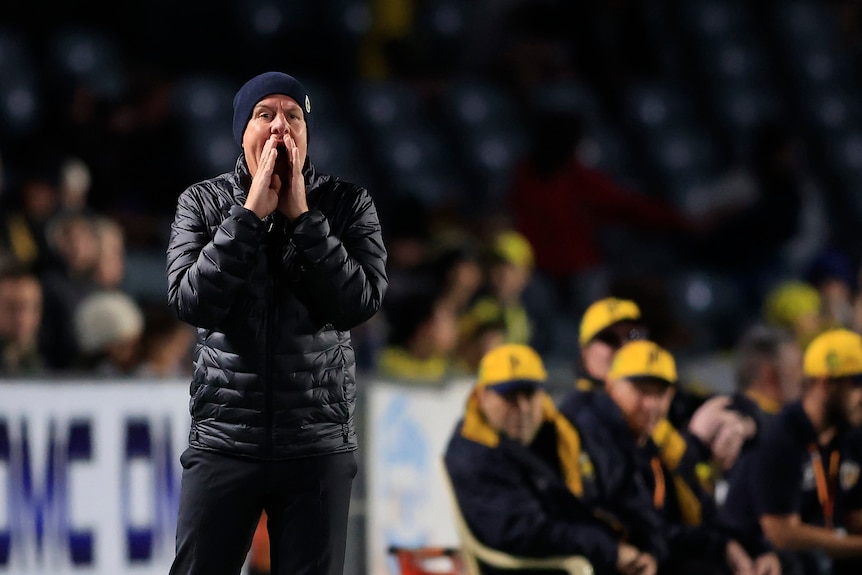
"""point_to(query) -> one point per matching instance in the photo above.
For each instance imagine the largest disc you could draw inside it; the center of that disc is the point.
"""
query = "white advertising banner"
(90, 476)
(408, 506)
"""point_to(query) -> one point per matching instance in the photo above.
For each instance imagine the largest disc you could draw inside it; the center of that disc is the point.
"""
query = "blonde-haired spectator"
(108, 326)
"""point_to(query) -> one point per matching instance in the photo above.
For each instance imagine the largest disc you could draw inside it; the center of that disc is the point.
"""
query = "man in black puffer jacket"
(274, 263)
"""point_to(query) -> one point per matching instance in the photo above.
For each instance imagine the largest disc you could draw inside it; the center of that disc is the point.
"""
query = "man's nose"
(523, 402)
(280, 124)
(651, 402)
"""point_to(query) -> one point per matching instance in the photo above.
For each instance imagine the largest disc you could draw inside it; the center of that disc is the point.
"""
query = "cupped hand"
(263, 193)
(292, 201)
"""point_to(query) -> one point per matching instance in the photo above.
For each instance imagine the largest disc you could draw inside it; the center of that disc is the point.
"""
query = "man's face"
(844, 402)
(517, 415)
(283, 117)
(790, 374)
(599, 353)
(20, 309)
(643, 403)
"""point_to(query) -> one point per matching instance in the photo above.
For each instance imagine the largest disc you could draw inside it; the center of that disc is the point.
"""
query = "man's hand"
(767, 564)
(631, 561)
(731, 436)
(737, 559)
(708, 418)
(263, 194)
(292, 201)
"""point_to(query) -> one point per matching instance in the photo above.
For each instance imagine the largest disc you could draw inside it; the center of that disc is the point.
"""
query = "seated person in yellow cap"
(639, 385)
(800, 486)
(609, 323)
(524, 483)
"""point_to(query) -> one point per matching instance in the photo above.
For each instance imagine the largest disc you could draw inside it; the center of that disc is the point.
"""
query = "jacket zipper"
(267, 410)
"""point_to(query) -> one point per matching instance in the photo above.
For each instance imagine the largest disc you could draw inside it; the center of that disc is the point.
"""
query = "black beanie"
(262, 86)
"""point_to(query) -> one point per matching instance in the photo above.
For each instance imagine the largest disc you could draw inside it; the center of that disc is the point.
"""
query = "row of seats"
(682, 130)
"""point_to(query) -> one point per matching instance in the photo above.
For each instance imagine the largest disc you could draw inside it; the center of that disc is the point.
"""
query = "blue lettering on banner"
(39, 522)
(150, 443)
(80, 449)
(5, 451)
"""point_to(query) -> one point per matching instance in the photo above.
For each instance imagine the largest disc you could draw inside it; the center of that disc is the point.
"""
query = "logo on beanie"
(307, 105)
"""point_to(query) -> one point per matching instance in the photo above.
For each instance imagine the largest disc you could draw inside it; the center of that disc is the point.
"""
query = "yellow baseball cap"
(514, 248)
(789, 301)
(643, 359)
(834, 353)
(605, 313)
(511, 366)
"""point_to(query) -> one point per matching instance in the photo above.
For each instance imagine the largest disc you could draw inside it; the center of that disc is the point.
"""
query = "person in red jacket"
(561, 205)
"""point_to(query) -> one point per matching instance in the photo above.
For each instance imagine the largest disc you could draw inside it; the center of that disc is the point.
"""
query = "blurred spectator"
(749, 236)
(456, 267)
(475, 339)
(800, 487)
(795, 305)
(75, 244)
(408, 239)
(423, 334)
(108, 327)
(34, 202)
(768, 376)
(693, 431)
(561, 205)
(20, 321)
(605, 326)
(387, 49)
(75, 181)
(110, 268)
(508, 269)
(832, 274)
(768, 371)
(166, 345)
(639, 386)
(527, 484)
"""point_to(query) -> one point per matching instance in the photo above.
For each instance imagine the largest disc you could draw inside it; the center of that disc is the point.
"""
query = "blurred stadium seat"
(386, 104)
(203, 99)
(89, 58)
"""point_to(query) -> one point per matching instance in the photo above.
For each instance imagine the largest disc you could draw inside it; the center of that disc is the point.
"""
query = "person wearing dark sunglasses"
(687, 444)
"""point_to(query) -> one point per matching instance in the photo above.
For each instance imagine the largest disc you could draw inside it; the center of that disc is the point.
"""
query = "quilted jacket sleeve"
(206, 272)
(345, 276)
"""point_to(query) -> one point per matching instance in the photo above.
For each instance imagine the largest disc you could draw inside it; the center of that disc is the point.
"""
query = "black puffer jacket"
(273, 302)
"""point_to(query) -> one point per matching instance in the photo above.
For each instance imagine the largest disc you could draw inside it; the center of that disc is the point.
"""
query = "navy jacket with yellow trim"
(515, 500)
(615, 485)
(680, 449)
(686, 512)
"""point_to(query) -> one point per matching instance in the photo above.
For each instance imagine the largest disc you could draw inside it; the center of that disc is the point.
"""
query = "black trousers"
(221, 499)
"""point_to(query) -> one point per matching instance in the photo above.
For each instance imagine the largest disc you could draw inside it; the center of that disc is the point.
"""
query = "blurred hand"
(730, 438)
(767, 564)
(630, 561)
(645, 564)
(706, 420)
(737, 559)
